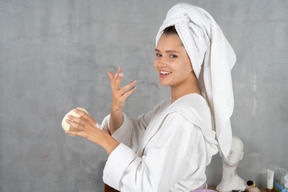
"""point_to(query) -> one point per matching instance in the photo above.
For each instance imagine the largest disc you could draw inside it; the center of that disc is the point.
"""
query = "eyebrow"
(168, 51)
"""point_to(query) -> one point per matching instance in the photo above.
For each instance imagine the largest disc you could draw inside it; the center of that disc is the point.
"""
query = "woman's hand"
(118, 99)
(88, 129)
(119, 95)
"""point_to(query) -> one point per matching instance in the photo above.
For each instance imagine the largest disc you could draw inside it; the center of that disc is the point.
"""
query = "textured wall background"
(55, 54)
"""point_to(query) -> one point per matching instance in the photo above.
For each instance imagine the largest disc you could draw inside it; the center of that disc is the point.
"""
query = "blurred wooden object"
(109, 189)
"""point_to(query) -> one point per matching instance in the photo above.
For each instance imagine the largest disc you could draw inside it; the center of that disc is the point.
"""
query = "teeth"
(164, 72)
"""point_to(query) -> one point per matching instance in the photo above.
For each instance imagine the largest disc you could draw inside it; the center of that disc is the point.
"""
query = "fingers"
(127, 87)
(83, 120)
(119, 95)
(77, 133)
(85, 116)
(83, 128)
(117, 73)
(110, 74)
(80, 124)
(128, 93)
(115, 79)
(118, 80)
(75, 124)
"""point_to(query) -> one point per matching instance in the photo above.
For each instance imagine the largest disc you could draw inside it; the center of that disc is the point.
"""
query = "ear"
(241, 156)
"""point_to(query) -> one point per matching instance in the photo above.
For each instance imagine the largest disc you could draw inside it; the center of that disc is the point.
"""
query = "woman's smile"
(164, 74)
(172, 62)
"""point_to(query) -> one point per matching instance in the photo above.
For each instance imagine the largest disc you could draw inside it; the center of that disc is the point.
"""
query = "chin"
(232, 162)
(164, 83)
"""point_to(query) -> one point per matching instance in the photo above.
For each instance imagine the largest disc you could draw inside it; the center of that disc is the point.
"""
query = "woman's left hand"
(88, 129)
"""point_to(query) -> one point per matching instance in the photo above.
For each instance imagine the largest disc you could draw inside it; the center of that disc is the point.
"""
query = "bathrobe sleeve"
(170, 152)
(133, 128)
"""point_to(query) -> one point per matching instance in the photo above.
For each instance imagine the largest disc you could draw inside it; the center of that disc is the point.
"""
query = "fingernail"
(121, 74)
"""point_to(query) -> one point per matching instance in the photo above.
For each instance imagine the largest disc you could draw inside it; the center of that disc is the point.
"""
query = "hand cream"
(286, 181)
(270, 178)
(65, 125)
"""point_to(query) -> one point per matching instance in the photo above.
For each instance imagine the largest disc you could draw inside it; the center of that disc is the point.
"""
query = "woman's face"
(172, 62)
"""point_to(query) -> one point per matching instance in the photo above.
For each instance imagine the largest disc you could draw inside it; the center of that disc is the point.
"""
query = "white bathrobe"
(166, 149)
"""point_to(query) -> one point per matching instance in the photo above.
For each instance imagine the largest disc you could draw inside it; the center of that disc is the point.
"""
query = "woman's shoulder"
(194, 108)
(191, 102)
(162, 105)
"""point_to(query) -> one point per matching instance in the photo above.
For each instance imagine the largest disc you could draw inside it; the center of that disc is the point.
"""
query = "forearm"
(116, 120)
(110, 144)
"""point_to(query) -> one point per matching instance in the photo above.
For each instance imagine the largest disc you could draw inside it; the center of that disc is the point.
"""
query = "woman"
(169, 148)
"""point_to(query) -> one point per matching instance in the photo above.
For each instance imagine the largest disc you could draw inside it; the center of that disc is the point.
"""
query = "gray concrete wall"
(55, 54)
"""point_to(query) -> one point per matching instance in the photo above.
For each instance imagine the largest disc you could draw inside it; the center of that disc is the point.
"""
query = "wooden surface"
(109, 189)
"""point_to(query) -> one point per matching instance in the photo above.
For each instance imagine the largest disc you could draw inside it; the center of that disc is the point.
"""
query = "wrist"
(116, 113)
(116, 109)
(110, 145)
(116, 105)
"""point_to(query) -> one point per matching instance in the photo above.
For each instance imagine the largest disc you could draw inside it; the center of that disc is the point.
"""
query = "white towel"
(212, 59)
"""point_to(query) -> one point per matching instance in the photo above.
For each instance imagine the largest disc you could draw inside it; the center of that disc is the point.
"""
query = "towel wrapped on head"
(212, 59)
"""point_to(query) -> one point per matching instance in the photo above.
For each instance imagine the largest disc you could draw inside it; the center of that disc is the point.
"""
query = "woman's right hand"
(119, 95)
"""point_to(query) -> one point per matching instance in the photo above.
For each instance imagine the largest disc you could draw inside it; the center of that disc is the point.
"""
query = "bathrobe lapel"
(195, 109)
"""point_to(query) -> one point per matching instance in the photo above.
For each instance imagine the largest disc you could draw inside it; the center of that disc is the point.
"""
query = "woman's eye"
(173, 56)
(158, 55)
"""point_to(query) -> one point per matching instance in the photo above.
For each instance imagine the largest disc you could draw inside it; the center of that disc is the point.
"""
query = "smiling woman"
(174, 66)
(169, 148)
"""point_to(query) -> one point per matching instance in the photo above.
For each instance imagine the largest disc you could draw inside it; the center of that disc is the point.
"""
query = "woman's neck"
(177, 92)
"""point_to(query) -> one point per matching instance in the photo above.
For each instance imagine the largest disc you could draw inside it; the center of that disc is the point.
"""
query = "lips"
(164, 74)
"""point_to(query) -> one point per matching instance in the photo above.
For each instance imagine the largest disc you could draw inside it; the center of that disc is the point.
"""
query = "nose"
(160, 62)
